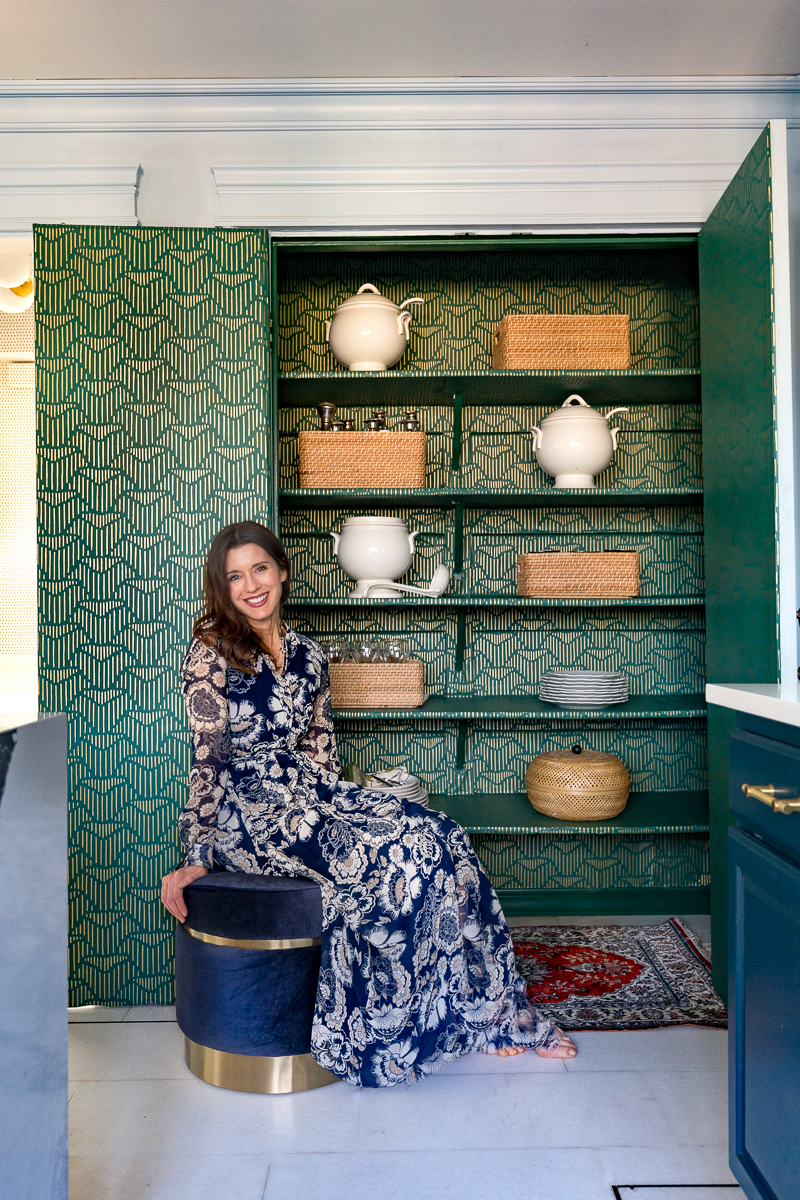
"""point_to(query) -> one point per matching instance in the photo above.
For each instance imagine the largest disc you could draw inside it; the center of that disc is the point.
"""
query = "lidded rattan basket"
(361, 459)
(540, 342)
(612, 574)
(578, 784)
(377, 685)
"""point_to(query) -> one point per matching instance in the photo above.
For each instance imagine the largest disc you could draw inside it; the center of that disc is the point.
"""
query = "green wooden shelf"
(487, 387)
(512, 813)
(474, 498)
(492, 708)
(493, 601)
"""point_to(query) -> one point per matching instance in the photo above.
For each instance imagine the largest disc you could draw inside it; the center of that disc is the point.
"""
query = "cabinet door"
(747, 458)
(152, 354)
(764, 1019)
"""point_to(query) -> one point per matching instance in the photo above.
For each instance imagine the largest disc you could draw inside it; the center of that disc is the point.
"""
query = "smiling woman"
(417, 962)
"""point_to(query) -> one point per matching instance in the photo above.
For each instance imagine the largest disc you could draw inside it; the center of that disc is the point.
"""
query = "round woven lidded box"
(578, 786)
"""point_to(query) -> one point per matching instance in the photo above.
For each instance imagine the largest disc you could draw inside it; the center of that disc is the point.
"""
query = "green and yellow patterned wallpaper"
(153, 432)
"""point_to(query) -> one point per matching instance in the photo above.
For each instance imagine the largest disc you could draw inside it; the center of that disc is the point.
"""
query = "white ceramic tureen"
(376, 551)
(575, 443)
(369, 332)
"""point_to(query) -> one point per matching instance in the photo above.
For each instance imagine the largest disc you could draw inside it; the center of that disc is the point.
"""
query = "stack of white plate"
(398, 783)
(584, 689)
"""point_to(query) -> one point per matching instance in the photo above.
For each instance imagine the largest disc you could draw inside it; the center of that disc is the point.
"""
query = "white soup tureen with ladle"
(376, 551)
(575, 444)
(368, 331)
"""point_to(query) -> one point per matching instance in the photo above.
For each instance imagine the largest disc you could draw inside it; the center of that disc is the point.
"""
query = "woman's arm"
(205, 691)
(319, 740)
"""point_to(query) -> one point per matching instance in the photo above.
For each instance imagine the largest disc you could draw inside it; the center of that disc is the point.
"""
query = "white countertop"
(775, 701)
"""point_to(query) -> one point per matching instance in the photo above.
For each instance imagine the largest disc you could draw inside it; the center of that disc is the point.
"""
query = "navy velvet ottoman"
(246, 967)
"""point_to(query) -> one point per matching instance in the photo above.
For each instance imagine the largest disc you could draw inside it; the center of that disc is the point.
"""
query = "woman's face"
(255, 582)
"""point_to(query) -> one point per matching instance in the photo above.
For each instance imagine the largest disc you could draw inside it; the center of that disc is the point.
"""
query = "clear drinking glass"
(337, 651)
(396, 650)
(363, 650)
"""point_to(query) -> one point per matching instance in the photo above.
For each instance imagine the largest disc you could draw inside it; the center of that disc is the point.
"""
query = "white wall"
(455, 155)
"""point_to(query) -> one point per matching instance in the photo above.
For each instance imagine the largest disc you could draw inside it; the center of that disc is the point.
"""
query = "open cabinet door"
(748, 460)
(152, 355)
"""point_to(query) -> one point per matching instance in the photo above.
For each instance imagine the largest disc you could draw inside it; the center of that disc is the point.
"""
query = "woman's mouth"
(257, 601)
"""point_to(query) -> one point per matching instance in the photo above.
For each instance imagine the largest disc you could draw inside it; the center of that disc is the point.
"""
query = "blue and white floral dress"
(417, 963)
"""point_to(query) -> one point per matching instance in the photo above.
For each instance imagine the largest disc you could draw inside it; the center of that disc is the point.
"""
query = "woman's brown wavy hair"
(221, 626)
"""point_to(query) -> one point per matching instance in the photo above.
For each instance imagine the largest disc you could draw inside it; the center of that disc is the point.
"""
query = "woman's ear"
(282, 574)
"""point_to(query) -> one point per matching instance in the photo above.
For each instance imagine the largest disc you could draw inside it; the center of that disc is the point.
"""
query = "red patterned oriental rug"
(606, 977)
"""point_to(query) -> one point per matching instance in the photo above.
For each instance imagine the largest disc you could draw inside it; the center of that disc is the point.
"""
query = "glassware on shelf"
(396, 650)
(338, 651)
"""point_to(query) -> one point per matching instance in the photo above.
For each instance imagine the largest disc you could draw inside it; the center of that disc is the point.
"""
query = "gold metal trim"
(256, 1072)
(766, 794)
(255, 943)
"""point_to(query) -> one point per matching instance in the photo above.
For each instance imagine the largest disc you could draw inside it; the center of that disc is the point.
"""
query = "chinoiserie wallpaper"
(153, 433)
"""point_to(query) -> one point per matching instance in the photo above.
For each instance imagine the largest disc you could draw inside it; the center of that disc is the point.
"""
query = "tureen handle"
(537, 439)
(411, 538)
(368, 287)
(404, 318)
(616, 410)
(328, 331)
(335, 537)
(568, 402)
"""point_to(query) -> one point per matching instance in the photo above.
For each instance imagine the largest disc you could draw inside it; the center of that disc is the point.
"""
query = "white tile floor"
(631, 1109)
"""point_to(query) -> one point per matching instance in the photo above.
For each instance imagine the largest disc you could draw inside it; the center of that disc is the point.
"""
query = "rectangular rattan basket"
(361, 459)
(532, 342)
(377, 685)
(612, 574)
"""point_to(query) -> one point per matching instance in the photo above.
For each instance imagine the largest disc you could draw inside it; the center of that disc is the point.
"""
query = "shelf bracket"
(461, 639)
(461, 745)
(458, 539)
(458, 410)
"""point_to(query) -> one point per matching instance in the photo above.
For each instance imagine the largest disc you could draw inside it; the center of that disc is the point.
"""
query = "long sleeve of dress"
(205, 691)
(319, 740)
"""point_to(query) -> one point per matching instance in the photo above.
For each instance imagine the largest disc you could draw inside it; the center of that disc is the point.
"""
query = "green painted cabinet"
(163, 414)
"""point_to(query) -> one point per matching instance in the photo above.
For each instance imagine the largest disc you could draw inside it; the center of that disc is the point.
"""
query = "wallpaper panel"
(153, 433)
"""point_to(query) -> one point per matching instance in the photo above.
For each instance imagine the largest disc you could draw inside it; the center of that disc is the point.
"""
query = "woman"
(417, 963)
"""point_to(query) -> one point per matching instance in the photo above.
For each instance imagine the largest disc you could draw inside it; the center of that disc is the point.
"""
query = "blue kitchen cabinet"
(764, 948)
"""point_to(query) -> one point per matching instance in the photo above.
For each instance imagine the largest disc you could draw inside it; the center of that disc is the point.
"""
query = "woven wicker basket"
(611, 573)
(588, 786)
(530, 342)
(377, 685)
(361, 459)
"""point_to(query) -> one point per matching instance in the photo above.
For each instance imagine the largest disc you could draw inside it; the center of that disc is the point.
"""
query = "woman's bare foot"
(507, 1051)
(564, 1048)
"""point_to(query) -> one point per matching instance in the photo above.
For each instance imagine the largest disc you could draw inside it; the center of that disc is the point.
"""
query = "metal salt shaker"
(326, 415)
(410, 422)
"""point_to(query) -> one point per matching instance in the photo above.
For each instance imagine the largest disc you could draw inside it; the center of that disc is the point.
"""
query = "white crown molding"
(82, 195)
(674, 195)
(337, 105)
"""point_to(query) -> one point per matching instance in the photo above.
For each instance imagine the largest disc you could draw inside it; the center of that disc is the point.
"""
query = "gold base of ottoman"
(254, 1072)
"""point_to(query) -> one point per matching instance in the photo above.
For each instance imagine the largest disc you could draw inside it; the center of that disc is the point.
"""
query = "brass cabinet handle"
(767, 795)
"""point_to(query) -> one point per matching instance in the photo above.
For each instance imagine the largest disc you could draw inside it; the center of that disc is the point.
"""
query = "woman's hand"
(172, 886)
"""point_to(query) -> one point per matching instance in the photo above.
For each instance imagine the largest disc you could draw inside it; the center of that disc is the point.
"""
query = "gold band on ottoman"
(256, 1072)
(254, 943)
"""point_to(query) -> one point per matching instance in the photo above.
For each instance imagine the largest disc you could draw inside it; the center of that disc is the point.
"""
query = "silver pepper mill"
(326, 414)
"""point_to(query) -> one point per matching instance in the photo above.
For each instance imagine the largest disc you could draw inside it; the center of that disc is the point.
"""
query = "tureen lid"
(574, 407)
(397, 522)
(368, 294)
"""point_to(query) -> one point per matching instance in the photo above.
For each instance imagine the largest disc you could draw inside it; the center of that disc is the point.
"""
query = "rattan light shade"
(588, 786)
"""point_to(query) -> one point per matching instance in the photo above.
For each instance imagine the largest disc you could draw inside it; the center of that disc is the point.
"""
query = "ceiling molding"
(474, 197)
(338, 105)
(81, 195)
